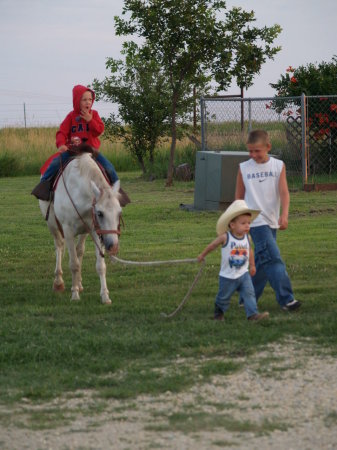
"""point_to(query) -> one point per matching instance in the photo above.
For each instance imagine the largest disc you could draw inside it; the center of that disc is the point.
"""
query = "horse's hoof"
(58, 287)
(75, 296)
(106, 301)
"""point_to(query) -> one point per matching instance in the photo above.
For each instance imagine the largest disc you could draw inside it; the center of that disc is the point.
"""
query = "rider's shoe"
(43, 190)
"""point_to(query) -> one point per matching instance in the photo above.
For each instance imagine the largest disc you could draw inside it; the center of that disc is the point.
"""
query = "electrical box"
(215, 178)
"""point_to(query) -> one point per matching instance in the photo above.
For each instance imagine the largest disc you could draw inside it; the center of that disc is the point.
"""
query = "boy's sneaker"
(259, 316)
(219, 317)
(292, 306)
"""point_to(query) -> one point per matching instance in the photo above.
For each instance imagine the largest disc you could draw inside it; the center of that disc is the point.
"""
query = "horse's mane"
(90, 170)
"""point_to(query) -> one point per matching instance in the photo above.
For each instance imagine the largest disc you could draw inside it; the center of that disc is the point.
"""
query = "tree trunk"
(141, 163)
(170, 169)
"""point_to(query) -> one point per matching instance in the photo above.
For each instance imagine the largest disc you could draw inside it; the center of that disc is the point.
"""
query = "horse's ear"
(95, 190)
(116, 186)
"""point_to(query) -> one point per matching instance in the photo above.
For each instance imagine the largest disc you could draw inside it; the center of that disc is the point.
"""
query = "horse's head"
(106, 212)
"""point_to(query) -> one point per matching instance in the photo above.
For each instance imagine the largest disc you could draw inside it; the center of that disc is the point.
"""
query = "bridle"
(97, 228)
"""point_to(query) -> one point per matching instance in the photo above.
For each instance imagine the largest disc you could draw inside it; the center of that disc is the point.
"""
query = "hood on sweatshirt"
(78, 91)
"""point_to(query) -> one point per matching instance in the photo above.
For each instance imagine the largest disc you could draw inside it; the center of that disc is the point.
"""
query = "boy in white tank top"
(262, 183)
(237, 260)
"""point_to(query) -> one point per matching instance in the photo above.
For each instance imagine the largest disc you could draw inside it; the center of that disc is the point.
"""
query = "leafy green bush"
(9, 165)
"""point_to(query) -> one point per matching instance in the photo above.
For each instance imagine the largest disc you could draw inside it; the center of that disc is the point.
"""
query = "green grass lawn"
(51, 346)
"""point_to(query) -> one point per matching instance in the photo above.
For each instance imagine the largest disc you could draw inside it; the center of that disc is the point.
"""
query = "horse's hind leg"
(74, 264)
(80, 252)
(58, 284)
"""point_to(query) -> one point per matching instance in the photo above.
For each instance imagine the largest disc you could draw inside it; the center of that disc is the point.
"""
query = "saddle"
(46, 188)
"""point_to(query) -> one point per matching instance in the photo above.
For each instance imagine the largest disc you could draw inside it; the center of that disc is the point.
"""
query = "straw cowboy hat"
(234, 210)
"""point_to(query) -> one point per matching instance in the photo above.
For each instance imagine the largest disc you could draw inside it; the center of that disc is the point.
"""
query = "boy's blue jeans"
(269, 265)
(55, 166)
(227, 287)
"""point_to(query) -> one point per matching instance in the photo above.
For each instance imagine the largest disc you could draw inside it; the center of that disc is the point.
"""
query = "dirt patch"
(284, 398)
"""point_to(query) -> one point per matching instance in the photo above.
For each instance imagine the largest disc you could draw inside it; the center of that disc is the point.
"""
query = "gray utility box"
(215, 178)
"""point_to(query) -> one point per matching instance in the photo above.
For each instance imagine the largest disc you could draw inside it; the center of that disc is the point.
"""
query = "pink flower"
(290, 69)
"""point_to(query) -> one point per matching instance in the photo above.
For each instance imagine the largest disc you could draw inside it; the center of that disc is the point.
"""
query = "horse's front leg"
(101, 270)
(80, 252)
(58, 285)
(74, 264)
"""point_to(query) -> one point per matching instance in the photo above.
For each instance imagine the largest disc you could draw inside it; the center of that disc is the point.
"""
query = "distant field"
(23, 151)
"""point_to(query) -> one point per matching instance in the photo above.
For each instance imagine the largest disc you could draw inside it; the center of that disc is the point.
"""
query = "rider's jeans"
(54, 166)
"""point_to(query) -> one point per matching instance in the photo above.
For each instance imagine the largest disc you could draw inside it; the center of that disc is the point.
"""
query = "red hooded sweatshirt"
(74, 126)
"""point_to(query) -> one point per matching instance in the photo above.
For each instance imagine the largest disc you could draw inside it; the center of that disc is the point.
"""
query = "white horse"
(84, 203)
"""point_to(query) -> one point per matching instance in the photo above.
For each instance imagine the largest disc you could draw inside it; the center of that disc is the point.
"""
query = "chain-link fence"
(303, 131)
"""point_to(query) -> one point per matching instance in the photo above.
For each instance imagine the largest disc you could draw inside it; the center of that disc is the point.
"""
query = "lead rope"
(170, 261)
(143, 263)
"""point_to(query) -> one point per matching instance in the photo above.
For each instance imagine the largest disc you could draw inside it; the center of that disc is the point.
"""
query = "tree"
(140, 88)
(191, 45)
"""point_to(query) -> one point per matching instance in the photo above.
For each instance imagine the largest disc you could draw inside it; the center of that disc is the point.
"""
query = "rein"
(95, 222)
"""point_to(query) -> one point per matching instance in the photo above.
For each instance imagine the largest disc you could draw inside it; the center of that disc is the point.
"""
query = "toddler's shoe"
(292, 306)
(259, 316)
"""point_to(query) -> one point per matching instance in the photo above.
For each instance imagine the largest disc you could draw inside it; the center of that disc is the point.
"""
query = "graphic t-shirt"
(234, 257)
(262, 190)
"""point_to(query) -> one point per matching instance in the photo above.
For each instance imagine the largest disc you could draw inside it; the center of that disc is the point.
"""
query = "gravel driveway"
(283, 398)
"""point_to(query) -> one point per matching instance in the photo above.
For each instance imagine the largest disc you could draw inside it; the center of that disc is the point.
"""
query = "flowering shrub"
(310, 79)
(321, 111)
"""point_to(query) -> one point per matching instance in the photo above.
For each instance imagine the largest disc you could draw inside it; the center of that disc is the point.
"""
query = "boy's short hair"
(256, 136)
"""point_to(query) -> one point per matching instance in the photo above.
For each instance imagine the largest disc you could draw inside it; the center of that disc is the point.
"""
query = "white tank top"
(262, 190)
(234, 257)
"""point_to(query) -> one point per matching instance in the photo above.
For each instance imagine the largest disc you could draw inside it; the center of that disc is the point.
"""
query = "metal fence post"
(242, 111)
(202, 120)
(24, 114)
(249, 115)
(304, 139)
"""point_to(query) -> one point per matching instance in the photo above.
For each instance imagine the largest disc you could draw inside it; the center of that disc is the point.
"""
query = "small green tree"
(140, 88)
(190, 43)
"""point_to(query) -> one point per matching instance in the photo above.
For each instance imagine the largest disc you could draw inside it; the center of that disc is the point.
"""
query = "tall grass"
(23, 151)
